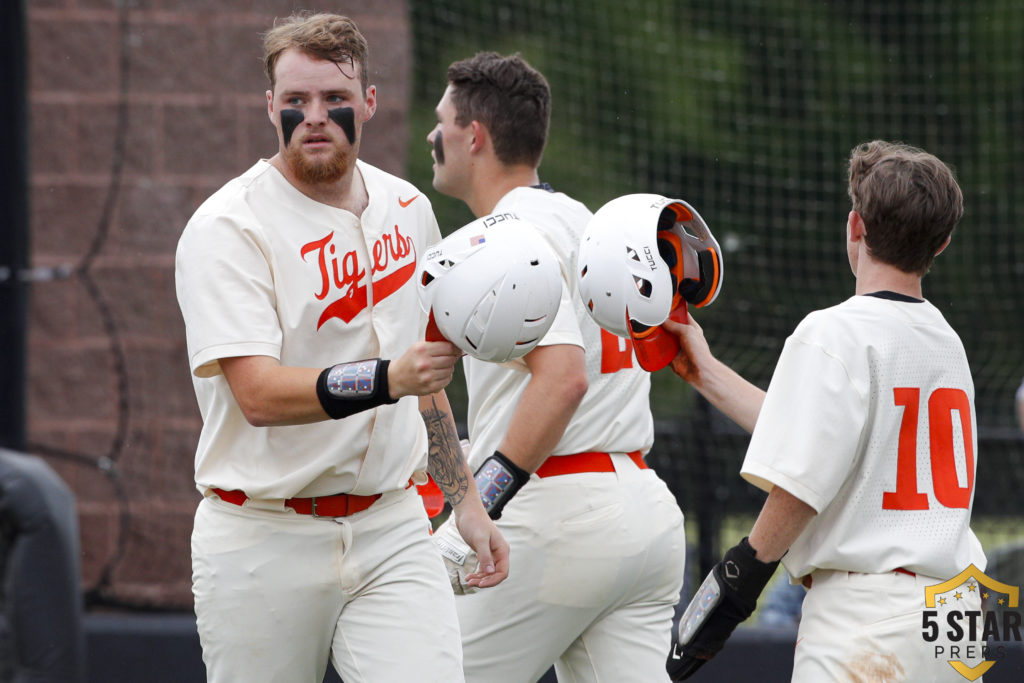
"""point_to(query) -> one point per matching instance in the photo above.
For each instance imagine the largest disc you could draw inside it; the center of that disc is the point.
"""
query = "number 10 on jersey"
(942, 405)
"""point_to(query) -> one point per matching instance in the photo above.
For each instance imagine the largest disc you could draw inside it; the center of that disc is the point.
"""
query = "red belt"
(557, 465)
(807, 580)
(340, 505)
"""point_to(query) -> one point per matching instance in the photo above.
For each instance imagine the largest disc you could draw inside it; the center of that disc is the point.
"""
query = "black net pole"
(14, 230)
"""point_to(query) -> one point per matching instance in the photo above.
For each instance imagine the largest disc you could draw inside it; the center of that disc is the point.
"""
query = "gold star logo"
(973, 579)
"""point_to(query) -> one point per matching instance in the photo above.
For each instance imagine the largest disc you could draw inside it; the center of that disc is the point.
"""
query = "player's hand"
(482, 536)
(424, 368)
(726, 598)
(694, 352)
(459, 559)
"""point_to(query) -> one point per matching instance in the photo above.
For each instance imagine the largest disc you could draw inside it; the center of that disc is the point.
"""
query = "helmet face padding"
(673, 253)
(492, 288)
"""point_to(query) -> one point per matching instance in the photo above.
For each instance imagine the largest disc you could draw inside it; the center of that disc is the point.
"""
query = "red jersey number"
(616, 353)
(942, 404)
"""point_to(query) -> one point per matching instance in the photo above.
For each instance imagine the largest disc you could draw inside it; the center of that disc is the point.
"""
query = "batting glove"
(459, 558)
(727, 597)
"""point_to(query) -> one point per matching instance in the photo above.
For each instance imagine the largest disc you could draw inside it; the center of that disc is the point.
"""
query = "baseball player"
(305, 344)
(865, 442)
(557, 439)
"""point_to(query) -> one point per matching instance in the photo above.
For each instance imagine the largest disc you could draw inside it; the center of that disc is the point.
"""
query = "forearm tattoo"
(445, 461)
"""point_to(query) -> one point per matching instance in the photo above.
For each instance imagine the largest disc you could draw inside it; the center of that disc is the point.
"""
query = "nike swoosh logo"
(406, 202)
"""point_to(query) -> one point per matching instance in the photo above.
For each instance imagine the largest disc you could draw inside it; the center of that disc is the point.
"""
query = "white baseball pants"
(278, 593)
(597, 564)
(867, 627)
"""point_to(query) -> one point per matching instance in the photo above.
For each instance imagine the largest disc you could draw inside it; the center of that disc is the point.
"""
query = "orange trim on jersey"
(578, 463)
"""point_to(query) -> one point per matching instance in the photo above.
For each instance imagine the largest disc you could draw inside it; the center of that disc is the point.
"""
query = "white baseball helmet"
(641, 258)
(492, 287)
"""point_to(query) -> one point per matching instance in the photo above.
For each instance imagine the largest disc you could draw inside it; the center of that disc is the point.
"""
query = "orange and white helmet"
(492, 287)
(642, 258)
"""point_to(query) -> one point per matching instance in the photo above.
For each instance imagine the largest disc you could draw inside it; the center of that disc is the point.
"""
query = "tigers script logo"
(341, 273)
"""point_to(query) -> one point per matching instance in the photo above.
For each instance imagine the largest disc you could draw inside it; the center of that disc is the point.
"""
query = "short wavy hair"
(508, 96)
(909, 201)
(330, 37)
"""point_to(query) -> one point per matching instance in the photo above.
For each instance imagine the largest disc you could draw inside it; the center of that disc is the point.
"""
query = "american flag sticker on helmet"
(477, 239)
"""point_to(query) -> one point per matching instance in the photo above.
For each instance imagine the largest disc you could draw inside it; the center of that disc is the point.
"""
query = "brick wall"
(139, 109)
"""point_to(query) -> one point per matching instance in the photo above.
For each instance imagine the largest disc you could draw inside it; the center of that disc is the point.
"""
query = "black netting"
(748, 110)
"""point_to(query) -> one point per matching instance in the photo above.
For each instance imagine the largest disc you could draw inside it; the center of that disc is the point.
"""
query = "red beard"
(319, 169)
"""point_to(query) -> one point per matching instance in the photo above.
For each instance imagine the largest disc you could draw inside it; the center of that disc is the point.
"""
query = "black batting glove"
(727, 597)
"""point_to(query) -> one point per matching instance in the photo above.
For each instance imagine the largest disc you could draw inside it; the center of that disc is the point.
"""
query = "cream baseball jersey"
(869, 419)
(614, 415)
(262, 269)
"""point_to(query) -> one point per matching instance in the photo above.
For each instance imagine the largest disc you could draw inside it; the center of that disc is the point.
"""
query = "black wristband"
(498, 479)
(348, 388)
